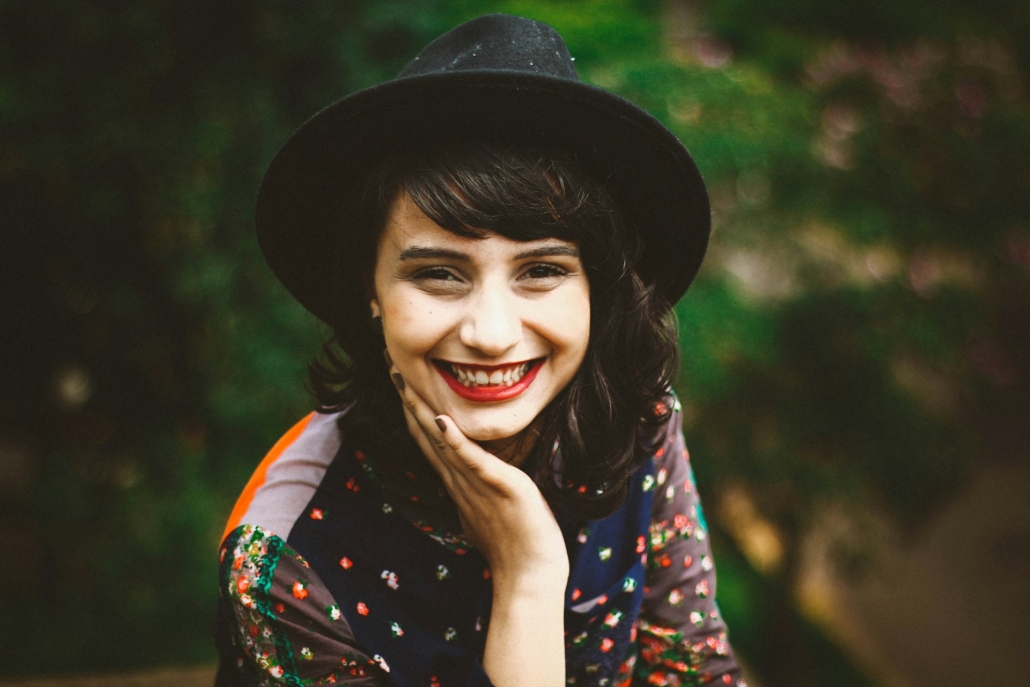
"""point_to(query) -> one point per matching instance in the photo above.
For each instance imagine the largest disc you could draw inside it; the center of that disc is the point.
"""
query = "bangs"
(524, 196)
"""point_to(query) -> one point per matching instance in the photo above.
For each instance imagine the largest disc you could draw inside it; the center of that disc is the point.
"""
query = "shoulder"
(668, 432)
(673, 475)
(287, 477)
(679, 618)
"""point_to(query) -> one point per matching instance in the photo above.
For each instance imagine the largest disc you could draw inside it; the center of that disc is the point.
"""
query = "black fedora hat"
(498, 78)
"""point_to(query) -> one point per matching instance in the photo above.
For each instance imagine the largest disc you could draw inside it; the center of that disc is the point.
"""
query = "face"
(487, 331)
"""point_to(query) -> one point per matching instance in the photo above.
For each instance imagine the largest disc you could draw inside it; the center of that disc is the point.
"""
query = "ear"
(374, 304)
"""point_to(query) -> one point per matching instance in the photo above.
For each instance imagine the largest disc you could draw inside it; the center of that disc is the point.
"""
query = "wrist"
(537, 584)
(525, 641)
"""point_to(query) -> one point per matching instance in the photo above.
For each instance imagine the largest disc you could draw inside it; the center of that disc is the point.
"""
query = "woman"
(495, 488)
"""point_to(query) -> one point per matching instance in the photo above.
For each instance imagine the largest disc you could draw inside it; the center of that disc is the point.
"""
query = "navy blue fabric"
(617, 578)
(443, 622)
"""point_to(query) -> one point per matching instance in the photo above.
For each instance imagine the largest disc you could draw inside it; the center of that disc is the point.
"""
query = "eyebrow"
(423, 252)
(426, 252)
(549, 251)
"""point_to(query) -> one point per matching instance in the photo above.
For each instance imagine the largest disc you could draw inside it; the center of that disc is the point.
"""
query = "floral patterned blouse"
(340, 569)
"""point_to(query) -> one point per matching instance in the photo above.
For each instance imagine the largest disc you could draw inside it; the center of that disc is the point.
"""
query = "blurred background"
(856, 350)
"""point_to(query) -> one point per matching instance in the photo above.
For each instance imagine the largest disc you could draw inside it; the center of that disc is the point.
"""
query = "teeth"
(507, 377)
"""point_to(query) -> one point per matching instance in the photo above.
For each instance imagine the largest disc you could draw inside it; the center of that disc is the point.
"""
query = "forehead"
(407, 227)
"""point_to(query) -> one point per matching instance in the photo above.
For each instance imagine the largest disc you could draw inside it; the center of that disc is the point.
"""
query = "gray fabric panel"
(291, 480)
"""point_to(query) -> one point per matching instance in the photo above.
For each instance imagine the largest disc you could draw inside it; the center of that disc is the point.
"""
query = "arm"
(681, 630)
(506, 517)
(275, 619)
(524, 643)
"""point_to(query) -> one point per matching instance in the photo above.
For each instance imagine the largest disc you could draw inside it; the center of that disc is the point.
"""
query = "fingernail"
(398, 381)
(441, 425)
(389, 360)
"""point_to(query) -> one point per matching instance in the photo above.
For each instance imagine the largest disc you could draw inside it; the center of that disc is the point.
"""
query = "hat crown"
(496, 42)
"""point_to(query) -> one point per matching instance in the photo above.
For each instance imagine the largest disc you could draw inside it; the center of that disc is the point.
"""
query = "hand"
(506, 517)
(502, 511)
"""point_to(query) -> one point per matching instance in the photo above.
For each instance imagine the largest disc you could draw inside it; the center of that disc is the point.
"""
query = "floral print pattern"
(256, 572)
(289, 630)
(680, 636)
(254, 559)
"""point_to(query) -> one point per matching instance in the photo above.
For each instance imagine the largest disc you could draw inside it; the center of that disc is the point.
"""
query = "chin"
(492, 424)
(478, 431)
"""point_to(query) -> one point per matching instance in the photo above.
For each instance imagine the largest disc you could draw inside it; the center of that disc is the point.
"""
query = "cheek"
(412, 328)
(576, 322)
(567, 321)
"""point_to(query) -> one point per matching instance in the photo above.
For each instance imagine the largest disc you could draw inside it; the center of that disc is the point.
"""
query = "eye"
(440, 280)
(436, 274)
(544, 271)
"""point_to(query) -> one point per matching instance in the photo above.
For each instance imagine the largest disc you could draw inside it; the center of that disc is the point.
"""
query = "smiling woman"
(494, 487)
(472, 322)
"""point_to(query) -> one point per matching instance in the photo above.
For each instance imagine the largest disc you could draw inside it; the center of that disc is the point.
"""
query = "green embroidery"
(255, 556)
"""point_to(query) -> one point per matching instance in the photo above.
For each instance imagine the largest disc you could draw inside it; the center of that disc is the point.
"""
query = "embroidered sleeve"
(681, 637)
(278, 624)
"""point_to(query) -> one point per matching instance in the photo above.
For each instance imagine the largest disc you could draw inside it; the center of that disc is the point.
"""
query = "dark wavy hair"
(605, 420)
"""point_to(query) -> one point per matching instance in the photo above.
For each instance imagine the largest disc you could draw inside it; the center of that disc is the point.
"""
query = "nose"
(492, 323)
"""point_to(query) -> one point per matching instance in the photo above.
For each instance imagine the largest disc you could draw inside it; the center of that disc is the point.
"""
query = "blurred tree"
(149, 356)
(859, 339)
(858, 335)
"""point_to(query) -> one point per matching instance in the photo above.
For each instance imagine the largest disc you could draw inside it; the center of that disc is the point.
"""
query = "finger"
(476, 467)
(457, 485)
(446, 438)
(459, 453)
(428, 447)
(427, 434)
(421, 412)
(470, 454)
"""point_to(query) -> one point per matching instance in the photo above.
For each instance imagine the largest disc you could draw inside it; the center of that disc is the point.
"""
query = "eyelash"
(437, 273)
(443, 274)
(551, 271)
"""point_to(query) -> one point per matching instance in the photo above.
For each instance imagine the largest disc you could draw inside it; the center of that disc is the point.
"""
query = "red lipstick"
(489, 393)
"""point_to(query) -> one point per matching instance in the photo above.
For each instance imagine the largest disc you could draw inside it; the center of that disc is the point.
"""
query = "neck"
(514, 449)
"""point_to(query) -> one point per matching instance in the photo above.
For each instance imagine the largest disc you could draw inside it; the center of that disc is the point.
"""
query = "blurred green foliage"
(858, 336)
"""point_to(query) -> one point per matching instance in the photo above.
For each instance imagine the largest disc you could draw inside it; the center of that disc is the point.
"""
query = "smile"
(485, 383)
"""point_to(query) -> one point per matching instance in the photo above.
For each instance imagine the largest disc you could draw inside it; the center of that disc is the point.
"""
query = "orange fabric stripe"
(258, 478)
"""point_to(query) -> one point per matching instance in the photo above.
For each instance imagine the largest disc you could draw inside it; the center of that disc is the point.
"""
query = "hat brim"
(649, 173)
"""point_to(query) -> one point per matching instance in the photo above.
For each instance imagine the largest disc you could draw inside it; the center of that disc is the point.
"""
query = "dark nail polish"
(398, 381)
(389, 360)
(441, 425)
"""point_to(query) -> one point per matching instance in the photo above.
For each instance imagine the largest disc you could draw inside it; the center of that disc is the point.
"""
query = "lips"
(485, 383)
